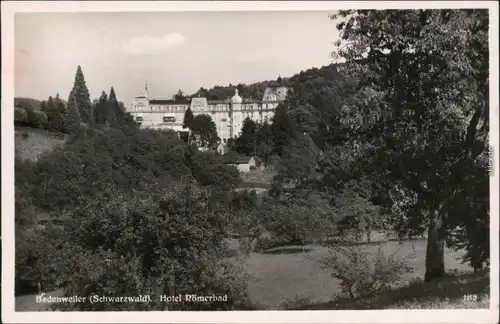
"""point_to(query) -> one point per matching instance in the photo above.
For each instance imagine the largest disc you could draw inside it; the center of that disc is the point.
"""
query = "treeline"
(309, 114)
(48, 114)
(246, 91)
(62, 116)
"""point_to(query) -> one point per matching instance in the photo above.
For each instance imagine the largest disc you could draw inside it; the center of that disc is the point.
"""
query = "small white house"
(242, 163)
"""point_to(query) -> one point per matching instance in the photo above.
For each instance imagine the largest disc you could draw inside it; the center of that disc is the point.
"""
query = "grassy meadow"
(31, 142)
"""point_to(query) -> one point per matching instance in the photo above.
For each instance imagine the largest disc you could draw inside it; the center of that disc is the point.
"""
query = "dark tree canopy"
(204, 130)
(188, 118)
(79, 110)
(416, 85)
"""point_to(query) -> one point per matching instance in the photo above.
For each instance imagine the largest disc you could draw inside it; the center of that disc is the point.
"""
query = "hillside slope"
(326, 75)
(27, 102)
(31, 102)
(31, 142)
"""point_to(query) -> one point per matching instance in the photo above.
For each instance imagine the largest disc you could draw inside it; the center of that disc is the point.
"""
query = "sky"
(169, 50)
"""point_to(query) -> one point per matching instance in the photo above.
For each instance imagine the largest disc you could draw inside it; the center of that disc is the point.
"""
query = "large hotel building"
(227, 114)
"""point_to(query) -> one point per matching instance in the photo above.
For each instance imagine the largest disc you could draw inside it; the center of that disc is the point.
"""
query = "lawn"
(447, 293)
(283, 274)
(31, 142)
(290, 273)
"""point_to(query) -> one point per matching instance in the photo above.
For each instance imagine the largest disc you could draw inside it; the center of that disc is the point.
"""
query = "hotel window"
(138, 118)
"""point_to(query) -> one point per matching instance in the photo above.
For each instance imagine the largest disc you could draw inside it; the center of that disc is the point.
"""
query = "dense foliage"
(108, 162)
(164, 242)
(203, 130)
(248, 91)
(421, 110)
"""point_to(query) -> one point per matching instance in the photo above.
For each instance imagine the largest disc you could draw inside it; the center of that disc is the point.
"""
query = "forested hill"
(25, 102)
(305, 80)
(246, 91)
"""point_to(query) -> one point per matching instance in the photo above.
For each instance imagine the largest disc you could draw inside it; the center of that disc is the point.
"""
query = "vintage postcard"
(250, 162)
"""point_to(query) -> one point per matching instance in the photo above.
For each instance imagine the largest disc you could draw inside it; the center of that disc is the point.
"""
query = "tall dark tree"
(282, 129)
(112, 95)
(264, 141)
(100, 109)
(241, 89)
(179, 96)
(79, 110)
(246, 143)
(424, 72)
(49, 104)
(117, 107)
(188, 118)
(204, 130)
(54, 113)
(116, 110)
(305, 118)
(43, 105)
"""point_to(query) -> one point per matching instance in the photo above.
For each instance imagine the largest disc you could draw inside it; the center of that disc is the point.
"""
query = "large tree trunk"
(434, 258)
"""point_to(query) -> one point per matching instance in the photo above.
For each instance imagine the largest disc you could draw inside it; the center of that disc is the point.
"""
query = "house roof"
(235, 158)
(169, 102)
(215, 145)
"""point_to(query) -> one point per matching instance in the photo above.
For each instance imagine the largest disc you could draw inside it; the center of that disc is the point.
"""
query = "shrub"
(41, 119)
(258, 161)
(37, 255)
(298, 217)
(209, 170)
(20, 116)
(36, 118)
(165, 243)
(362, 275)
(89, 164)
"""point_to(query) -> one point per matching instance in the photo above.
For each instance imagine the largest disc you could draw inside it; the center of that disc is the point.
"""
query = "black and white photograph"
(214, 161)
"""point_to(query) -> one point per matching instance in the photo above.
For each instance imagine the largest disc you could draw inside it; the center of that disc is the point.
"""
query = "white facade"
(228, 115)
(245, 167)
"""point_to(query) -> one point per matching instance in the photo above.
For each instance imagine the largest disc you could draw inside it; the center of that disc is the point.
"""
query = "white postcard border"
(336, 316)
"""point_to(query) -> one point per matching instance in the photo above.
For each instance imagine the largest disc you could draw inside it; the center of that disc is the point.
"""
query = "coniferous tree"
(112, 95)
(60, 108)
(43, 105)
(264, 141)
(188, 118)
(118, 109)
(100, 110)
(54, 115)
(247, 142)
(179, 96)
(79, 111)
(72, 120)
(282, 129)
